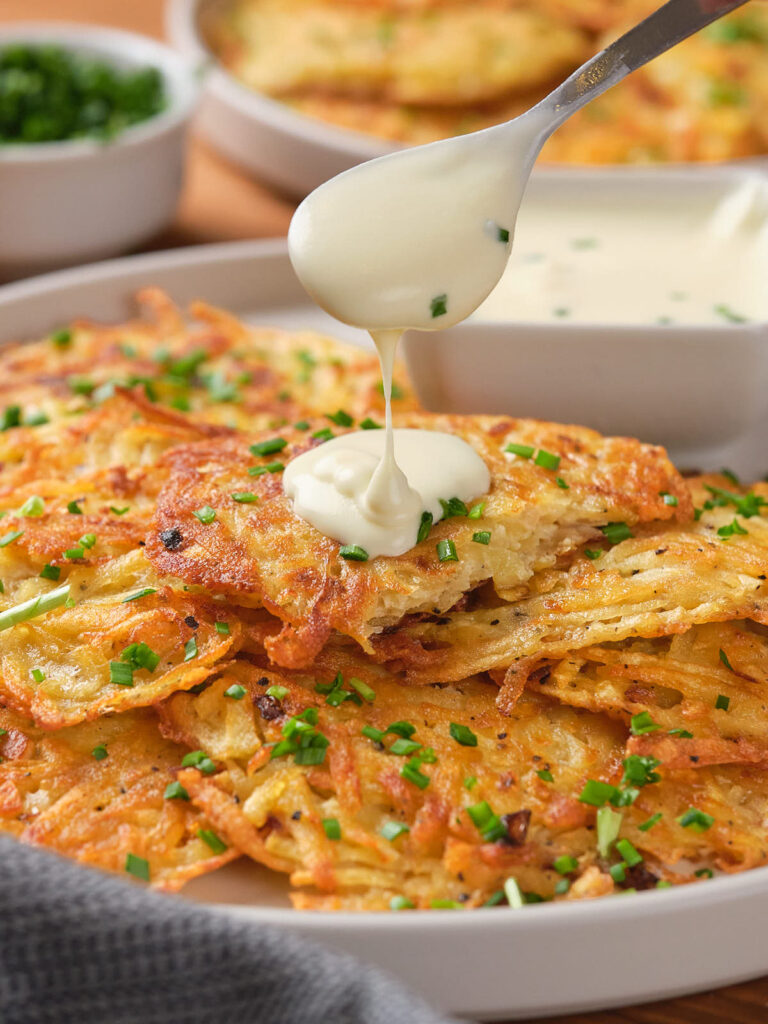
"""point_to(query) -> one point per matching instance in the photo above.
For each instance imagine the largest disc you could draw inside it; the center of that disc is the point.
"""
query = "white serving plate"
(492, 964)
(283, 147)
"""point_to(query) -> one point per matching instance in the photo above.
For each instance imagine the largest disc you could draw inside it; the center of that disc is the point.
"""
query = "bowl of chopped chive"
(92, 128)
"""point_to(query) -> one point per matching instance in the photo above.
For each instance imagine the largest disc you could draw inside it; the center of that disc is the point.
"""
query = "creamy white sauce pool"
(605, 261)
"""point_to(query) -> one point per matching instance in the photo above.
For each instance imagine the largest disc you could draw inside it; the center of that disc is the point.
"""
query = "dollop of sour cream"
(416, 239)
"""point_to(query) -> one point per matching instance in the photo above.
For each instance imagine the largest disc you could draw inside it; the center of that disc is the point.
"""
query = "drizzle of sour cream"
(416, 239)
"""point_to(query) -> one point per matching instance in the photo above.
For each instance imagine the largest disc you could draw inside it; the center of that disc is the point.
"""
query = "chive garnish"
(277, 691)
(222, 628)
(704, 873)
(271, 447)
(696, 820)
(565, 865)
(641, 724)
(562, 886)
(668, 499)
(10, 537)
(74, 553)
(476, 511)
(411, 771)
(545, 775)
(597, 793)
(200, 760)
(724, 659)
(271, 467)
(175, 791)
(100, 752)
(392, 829)
(140, 655)
(74, 509)
(683, 734)
(120, 673)
(120, 511)
(524, 451)
(616, 532)
(404, 748)
(488, 824)
(137, 866)
(38, 675)
(244, 497)
(353, 553)
(453, 507)
(424, 527)
(50, 572)
(640, 770)
(732, 528)
(547, 460)
(210, 838)
(206, 514)
(341, 418)
(369, 424)
(482, 537)
(593, 554)
(470, 782)
(462, 734)
(502, 234)
(33, 507)
(626, 850)
(446, 551)
(561, 483)
(34, 607)
(647, 825)
(362, 688)
(722, 703)
(139, 594)
(332, 828)
(608, 826)
(236, 691)
(401, 903)
(513, 893)
(326, 434)
(190, 649)
(439, 305)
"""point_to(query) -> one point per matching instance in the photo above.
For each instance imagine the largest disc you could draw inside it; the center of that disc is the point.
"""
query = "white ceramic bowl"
(68, 202)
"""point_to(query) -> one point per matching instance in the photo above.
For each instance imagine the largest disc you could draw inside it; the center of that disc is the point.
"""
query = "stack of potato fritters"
(418, 70)
(189, 672)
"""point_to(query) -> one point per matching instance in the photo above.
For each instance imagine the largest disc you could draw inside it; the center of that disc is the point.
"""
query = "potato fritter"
(97, 793)
(262, 552)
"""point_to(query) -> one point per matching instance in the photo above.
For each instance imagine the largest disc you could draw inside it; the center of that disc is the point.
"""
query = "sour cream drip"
(416, 239)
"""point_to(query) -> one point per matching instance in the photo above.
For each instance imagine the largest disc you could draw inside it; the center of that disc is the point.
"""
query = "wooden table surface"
(220, 204)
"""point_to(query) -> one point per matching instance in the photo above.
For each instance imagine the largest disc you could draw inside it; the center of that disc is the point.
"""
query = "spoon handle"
(666, 27)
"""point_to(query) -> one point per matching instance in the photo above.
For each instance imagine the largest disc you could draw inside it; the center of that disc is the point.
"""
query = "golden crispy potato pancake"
(79, 662)
(662, 580)
(373, 816)
(215, 367)
(95, 792)
(263, 552)
(449, 54)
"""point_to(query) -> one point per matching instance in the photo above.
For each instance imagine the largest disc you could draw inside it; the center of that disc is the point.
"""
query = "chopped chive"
(74, 509)
(668, 499)
(137, 866)
(200, 760)
(74, 553)
(61, 338)
(545, 775)
(353, 553)
(608, 826)
(34, 607)
(446, 551)
(402, 729)
(392, 829)
(206, 514)
(100, 752)
(641, 724)
(424, 527)
(271, 447)
(278, 692)
(38, 675)
(120, 673)
(332, 828)
(593, 554)
(640, 770)
(369, 424)
(502, 234)
(88, 540)
(482, 537)
(704, 873)
(453, 507)
(244, 497)
(445, 905)
(372, 733)
(487, 822)
(439, 305)
(470, 782)
(648, 825)
(271, 467)
(626, 850)
(139, 594)
(341, 418)
(683, 734)
(618, 872)
(411, 771)
(724, 659)
(476, 511)
(401, 903)
(222, 628)
(727, 313)
(237, 692)
(404, 748)
(597, 793)
(562, 886)
(10, 537)
(561, 483)
(301, 425)
(50, 572)
(326, 434)
(361, 687)
(175, 791)
(565, 865)
(33, 507)
(462, 734)
(513, 893)
(696, 820)
(119, 511)
(11, 417)
(524, 451)
(547, 460)
(616, 532)
(190, 649)
(732, 528)
(722, 703)
(210, 838)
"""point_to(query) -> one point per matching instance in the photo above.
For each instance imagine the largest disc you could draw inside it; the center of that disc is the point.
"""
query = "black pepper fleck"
(171, 539)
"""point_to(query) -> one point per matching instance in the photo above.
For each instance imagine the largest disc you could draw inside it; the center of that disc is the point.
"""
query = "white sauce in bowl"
(605, 260)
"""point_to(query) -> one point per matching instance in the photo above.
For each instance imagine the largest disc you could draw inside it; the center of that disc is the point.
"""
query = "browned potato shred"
(572, 710)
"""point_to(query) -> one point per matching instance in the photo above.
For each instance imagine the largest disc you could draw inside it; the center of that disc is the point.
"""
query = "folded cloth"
(77, 945)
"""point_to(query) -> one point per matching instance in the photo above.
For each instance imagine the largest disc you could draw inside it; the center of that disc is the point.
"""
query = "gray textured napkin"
(80, 947)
